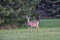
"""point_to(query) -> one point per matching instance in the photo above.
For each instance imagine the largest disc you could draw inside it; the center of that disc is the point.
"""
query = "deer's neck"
(28, 20)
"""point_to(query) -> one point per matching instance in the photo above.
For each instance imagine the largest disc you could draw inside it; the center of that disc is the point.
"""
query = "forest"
(13, 12)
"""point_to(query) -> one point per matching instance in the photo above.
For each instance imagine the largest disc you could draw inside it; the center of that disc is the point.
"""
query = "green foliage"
(14, 11)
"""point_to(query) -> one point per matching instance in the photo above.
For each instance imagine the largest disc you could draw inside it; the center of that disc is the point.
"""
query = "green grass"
(49, 30)
(23, 34)
(50, 23)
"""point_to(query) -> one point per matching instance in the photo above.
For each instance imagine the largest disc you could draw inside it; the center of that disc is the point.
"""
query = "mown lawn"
(23, 34)
(49, 30)
(49, 23)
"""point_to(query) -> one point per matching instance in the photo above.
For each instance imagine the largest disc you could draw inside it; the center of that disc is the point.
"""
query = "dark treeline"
(13, 12)
(49, 8)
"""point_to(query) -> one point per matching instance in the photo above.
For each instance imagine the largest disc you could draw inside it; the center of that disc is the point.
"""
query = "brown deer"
(32, 24)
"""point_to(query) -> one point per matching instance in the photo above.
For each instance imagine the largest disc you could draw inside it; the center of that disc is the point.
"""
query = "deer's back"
(33, 23)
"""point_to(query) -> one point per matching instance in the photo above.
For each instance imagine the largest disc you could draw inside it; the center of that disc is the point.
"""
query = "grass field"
(49, 30)
(50, 23)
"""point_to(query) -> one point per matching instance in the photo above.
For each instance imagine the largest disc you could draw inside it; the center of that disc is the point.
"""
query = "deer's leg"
(38, 28)
(29, 28)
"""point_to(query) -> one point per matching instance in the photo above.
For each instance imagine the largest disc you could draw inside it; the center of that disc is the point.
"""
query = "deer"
(32, 24)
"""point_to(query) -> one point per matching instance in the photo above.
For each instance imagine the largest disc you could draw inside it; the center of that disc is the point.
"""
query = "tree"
(51, 7)
(13, 12)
